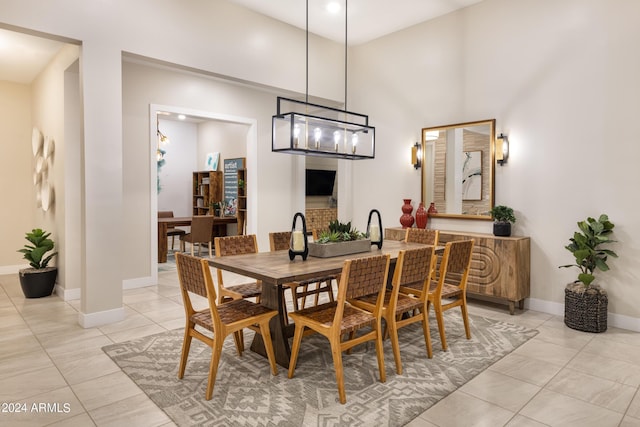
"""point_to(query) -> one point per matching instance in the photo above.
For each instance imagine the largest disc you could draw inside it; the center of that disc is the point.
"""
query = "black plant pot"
(502, 229)
(38, 283)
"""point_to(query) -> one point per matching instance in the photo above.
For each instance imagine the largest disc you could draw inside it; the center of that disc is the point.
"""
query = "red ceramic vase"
(432, 208)
(406, 219)
(421, 216)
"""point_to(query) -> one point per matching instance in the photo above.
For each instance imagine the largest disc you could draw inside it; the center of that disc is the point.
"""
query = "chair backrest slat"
(416, 265)
(422, 235)
(190, 274)
(279, 240)
(366, 276)
(454, 268)
(201, 228)
(236, 245)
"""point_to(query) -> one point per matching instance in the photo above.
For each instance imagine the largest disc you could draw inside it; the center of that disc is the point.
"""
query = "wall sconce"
(502, 149)
(416, 155)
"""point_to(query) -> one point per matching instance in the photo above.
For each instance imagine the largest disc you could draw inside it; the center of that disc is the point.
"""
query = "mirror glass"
(458, 169)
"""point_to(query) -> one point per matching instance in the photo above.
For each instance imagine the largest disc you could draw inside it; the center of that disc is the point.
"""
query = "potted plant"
(39, 279)
(503, 217)
(217, 211)
(340, 239)
(585, 307)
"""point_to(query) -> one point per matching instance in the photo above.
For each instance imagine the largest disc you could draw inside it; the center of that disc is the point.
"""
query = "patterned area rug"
(245, 392)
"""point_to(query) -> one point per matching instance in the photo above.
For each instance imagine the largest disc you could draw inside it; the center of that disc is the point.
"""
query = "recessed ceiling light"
(333, 7)
(182, 116)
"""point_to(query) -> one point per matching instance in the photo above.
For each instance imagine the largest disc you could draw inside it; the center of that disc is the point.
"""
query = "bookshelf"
(207, 188)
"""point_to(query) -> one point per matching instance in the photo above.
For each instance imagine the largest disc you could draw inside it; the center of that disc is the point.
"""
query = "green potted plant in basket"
(585, 307)
(39, 279)
(503, 217)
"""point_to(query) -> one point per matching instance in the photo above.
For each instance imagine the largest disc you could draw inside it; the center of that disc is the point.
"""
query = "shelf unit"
(242, 201)
(207, 188)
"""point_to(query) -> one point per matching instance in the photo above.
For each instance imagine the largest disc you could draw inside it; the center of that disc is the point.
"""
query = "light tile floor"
(53, 372)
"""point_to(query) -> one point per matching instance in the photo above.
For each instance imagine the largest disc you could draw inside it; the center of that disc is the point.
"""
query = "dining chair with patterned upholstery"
(171, 229)
(426, 236)
(201, 231)
(221, 320)
(415, 267)
(360, 277)
(237, 245)
(450, 288)
(279, 241)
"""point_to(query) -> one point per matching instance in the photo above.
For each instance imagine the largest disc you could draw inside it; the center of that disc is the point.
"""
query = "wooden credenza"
(500, 266)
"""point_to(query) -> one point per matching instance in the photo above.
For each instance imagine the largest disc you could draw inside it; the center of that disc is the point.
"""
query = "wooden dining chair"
(426, 236)
(171, 229)
(237, 245)
(279, 241)
(415, 267)
(360, 277)
(222, 320)
(201, 231)
(450, 288)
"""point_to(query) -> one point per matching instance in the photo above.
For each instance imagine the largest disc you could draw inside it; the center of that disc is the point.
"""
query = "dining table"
(219, 229)
(275, 269)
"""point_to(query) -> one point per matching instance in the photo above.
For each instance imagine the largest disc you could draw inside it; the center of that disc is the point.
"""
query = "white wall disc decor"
(48, 148)
(36, 141)
(47, 196)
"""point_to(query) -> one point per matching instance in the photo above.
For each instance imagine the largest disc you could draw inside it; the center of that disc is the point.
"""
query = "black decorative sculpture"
(374, 231)
(299, 244)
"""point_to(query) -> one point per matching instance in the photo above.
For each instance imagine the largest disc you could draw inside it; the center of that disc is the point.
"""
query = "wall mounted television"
(319, 182)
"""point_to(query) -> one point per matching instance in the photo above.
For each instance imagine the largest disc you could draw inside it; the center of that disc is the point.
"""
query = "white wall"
(180, 162)
(16, 170)
(559, 78)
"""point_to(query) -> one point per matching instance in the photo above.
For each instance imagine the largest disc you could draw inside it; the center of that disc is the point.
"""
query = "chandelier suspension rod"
(346, 9)
(307, 58)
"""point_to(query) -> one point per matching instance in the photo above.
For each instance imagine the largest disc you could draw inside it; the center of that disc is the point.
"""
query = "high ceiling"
(367, 19)
(23, 56)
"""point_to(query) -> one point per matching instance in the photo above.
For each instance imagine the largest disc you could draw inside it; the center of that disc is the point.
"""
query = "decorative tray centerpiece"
(339, 240)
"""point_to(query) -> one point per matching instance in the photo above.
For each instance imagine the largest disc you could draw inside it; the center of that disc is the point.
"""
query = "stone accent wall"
(319, 219)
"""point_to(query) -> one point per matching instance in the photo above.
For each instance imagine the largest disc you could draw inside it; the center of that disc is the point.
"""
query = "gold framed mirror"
(458, 167)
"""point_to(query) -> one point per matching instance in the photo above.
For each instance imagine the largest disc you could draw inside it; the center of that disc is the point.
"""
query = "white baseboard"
(544, 306)
(12, 269)
(68, 294)
(100, 318)
(613, 320)
(624, 322)
(139, 282)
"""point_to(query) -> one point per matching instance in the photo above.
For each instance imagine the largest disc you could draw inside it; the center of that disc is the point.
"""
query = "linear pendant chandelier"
(300, 127)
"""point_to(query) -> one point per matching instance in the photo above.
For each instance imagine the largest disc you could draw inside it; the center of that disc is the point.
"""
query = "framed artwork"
(472, 175)
(211, 164)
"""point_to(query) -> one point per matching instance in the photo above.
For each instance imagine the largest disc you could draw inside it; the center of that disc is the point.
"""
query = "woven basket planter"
(585, 309)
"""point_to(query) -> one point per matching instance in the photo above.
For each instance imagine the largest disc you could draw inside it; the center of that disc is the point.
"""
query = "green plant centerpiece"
(586, 303)
(340, 239)
(39, 279)
(339, 232)
(503, 217)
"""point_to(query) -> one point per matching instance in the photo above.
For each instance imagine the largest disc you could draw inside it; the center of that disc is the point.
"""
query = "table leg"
(162, 242)
(272, 297)
(512, 307)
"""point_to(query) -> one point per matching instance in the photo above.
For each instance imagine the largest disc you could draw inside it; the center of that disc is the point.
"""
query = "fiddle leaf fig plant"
(40, 244)
(586, 247)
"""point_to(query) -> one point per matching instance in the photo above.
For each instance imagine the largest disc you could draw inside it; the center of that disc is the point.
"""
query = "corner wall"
(566, 93)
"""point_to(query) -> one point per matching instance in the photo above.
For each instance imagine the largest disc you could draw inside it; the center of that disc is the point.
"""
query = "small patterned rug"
(246, 393)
